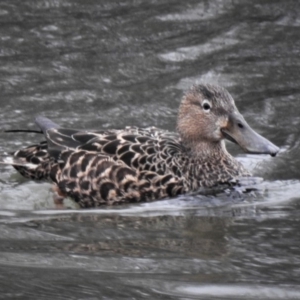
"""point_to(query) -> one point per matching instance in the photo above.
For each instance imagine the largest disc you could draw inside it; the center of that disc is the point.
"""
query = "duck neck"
(207, 150)
(211, 164)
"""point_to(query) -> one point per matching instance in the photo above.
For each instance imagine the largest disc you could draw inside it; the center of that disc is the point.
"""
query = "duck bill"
(239, 132)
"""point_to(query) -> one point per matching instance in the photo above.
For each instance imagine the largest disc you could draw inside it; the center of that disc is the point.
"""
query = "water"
(108, 64)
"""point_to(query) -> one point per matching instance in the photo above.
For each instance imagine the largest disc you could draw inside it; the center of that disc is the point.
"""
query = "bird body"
(98, 167)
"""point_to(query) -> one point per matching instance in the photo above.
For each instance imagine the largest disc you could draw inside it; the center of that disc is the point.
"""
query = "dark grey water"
(107, 64)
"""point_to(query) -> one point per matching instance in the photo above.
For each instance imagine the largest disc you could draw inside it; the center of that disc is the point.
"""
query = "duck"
(130, 165)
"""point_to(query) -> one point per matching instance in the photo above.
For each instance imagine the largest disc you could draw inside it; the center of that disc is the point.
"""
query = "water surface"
(108, 64)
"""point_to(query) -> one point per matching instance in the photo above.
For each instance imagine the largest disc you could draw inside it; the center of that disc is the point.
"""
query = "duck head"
(208, 115)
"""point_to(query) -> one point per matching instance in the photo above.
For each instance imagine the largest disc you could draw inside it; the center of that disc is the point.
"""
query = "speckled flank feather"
(131, 165)
(115, 168)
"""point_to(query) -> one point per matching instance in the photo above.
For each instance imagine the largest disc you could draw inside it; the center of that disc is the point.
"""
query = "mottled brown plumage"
(132, 165)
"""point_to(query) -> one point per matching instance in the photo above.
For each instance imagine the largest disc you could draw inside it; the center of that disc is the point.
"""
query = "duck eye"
(206, 106)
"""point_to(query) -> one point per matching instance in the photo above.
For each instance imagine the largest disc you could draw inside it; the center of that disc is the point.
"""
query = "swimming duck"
(109, 167)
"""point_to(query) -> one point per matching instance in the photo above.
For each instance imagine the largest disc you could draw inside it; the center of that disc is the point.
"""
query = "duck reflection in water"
(180, 236)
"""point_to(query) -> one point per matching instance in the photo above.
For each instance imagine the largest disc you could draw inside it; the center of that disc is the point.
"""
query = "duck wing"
(148, 148)
(134, 149)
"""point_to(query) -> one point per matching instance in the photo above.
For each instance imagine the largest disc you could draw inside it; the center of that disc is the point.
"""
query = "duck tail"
(9, 159)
